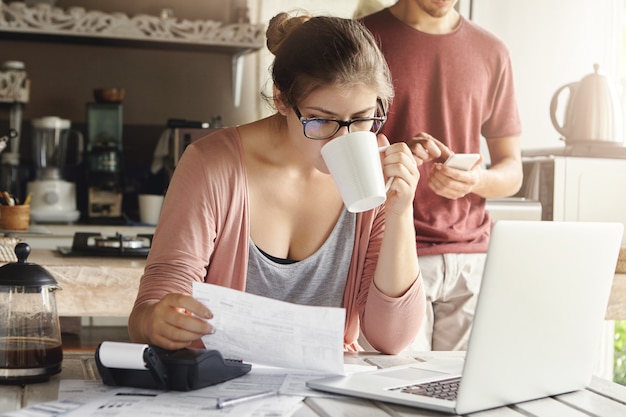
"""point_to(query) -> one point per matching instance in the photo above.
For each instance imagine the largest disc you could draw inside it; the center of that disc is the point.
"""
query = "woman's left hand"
(400, 167)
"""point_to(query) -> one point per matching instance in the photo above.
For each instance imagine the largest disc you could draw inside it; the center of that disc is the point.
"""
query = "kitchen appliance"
(53, 198)
(173, 142)
(593, 113)
(513, 208)
(30, 334)
(6, 139)
(104, 150)
(183, 132)
(14, 94)
(95, 244)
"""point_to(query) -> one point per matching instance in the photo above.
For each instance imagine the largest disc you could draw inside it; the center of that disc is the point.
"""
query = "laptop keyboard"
(445, 389)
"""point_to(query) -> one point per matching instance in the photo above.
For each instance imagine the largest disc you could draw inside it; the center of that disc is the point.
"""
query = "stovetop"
(95, 244)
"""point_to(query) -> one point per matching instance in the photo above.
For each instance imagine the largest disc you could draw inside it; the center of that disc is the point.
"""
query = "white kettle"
(593, 113)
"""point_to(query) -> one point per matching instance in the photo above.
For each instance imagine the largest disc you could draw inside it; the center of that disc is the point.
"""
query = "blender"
(53, 198)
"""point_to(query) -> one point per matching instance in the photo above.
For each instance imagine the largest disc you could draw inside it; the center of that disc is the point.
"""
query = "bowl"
(109, 95)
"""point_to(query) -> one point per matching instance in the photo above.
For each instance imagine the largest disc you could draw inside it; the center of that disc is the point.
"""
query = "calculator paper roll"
(122, 355)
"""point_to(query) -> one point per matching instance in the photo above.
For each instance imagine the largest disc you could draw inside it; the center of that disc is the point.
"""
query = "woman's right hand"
(174, 322)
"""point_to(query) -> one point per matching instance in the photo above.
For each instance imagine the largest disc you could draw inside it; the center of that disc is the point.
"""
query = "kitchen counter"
(92, 286)
(107, 287)
(617, 302)
(616, 309)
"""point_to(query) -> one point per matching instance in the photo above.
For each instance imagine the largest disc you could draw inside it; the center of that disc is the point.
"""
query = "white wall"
(552, 43)
(263, 10)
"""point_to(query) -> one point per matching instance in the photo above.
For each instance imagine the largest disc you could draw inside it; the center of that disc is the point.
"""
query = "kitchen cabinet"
(77, 25)
(577, 188)
(590, 189)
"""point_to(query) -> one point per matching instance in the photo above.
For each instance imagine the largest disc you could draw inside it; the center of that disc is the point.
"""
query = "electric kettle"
(593, 113)
(30, 334)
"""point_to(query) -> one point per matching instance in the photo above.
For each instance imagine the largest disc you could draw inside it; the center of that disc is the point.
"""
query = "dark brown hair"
(311, 52)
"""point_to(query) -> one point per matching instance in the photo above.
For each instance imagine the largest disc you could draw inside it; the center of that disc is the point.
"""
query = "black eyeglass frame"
(341, 123)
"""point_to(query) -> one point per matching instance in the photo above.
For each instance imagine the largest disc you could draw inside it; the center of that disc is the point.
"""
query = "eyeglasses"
(318, 129)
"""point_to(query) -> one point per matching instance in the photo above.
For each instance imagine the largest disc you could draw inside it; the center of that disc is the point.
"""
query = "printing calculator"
(180, 370)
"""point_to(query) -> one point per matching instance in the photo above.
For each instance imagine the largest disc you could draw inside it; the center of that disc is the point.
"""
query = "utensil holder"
(14, 217)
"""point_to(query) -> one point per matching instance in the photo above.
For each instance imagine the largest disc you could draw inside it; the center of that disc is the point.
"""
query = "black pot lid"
(24, 273)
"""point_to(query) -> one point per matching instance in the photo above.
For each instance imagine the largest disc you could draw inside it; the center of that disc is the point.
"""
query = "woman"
(253, 207)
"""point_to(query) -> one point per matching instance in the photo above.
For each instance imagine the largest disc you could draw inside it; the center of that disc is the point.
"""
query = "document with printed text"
(270, 332)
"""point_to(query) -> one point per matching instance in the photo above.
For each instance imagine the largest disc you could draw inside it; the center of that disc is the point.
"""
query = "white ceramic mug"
(150, 208)
(353, 160)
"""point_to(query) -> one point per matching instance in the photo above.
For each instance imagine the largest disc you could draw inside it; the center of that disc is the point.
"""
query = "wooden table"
(603, 398)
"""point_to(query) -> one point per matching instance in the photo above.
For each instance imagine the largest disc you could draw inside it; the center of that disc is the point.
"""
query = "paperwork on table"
(265, 331)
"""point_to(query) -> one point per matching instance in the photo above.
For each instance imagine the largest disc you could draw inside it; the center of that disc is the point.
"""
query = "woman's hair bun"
(280, 27)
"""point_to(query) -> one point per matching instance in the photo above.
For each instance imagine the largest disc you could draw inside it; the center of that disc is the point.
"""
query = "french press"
(30, 335)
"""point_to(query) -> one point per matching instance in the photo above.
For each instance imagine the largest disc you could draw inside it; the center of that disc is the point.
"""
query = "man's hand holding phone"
(448, 183)
(457, 176)
(462, 161)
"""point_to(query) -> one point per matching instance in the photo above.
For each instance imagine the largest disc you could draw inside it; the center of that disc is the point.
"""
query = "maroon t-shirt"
(455, 87)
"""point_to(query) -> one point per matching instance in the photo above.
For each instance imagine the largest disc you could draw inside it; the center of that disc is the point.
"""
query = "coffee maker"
(53, 198)
(104, 165)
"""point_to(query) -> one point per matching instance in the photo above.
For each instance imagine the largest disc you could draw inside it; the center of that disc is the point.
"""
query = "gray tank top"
(319, 280)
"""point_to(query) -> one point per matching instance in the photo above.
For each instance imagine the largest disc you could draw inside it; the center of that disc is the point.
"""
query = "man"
(454, 81)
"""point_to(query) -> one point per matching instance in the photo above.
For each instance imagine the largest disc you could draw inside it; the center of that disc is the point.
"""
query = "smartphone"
(462, 161)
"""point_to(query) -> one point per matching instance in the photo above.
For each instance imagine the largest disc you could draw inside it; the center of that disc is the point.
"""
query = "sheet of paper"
(134, 402)
(47, 409)
(78, 389)
(265, 331)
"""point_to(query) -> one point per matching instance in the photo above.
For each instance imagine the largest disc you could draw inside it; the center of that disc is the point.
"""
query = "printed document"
(265, 331)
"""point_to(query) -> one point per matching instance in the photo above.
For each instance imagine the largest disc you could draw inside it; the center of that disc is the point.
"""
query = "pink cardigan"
(203, 235)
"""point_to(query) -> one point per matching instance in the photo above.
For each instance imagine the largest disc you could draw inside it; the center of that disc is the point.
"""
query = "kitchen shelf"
(45, 23)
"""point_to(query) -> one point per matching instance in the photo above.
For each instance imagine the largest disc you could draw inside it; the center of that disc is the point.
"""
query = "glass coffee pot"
(30, 334)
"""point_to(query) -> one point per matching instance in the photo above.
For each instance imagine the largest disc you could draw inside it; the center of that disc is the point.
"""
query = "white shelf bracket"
(237, 75)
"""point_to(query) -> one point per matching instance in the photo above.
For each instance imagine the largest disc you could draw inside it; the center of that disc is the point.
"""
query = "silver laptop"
(536, 330)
